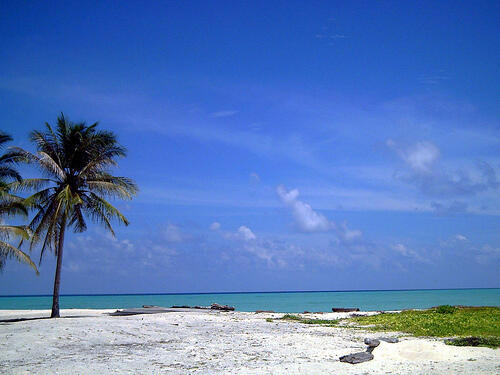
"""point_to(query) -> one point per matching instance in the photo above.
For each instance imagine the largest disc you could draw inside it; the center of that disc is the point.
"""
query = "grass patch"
(291, 317)
(489, 342)
(446, 309)
(442, 321)
(299, 319)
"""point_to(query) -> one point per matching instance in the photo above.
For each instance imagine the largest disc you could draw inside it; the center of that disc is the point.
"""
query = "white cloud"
(423, 169)
(246, 233)
(487, 254)
(460, 237)
(347, 234)
(400, 248)
(306, 219)
(223, 113)
(409, 253)
(173, 233)
(215, 226)
(449, 208)
(243, 233)
(255, 177)
(420, 157)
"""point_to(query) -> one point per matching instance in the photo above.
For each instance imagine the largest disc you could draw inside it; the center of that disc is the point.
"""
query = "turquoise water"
(277, 301)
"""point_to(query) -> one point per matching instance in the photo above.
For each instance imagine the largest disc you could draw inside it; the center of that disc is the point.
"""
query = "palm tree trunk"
(57, 279)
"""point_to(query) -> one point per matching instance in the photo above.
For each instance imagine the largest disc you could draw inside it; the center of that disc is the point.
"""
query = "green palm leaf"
(11, 205)
(76, 159)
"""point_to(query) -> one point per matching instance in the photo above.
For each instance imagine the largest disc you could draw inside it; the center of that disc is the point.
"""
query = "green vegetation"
(446, 309)
(10, 205)
(76, 159)
(442, 321)
(299, 319)
(489, 342)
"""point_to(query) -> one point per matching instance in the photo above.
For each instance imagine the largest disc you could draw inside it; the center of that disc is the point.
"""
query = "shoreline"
(292, 302)
(90, 341)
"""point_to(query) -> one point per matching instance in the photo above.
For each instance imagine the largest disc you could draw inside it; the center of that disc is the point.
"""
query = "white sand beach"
(92, 342)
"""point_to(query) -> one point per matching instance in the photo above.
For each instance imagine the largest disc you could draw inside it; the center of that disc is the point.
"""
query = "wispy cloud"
(306, 219)
(449, 208)
(425, 170)
(219, 114)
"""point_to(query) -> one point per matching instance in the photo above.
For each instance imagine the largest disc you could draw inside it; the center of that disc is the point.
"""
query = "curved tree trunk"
(57, 279)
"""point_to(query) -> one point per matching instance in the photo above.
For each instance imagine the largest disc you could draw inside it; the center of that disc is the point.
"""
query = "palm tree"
(75, 159)
(11, 205)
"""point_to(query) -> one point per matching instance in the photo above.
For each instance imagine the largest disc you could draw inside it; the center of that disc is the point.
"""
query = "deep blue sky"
(277, 145)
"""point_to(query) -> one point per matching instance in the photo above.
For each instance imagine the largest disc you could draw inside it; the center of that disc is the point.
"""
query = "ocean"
(277, 301)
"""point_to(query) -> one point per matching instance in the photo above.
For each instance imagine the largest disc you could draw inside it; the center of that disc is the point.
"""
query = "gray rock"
(357, 357)
(372, 342)
(390, 340)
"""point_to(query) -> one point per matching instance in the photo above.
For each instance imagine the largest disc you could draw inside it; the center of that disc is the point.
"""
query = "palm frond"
(8, 250)
(30, 184)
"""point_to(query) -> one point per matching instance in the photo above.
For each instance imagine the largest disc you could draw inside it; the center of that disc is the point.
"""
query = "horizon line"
(253, 292)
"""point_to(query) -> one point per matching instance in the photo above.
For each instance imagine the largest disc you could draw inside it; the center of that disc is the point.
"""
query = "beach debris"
(143, 310)
(149, 309)
(344, 309)
(372, 344)
(390, 340)
(216, 306)
(357, 357)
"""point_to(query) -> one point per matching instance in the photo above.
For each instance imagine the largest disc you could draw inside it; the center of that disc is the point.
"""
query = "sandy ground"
(91, 342)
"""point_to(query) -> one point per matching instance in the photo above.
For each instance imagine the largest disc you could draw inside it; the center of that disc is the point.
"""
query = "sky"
(285, 145)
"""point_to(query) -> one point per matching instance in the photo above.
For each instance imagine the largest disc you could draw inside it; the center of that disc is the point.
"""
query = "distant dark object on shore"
(344, 309)
(213, 306)
(264, 311)
(216, 306)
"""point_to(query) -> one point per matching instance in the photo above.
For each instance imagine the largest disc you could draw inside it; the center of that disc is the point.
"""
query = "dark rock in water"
(181, 307)
(319, 312)
(264, 311)
(149, 306)
(202, 307)
(306, 312)
(344, 309)
(390, 340)
(357, 357)
(216, 306)
(372, 344)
